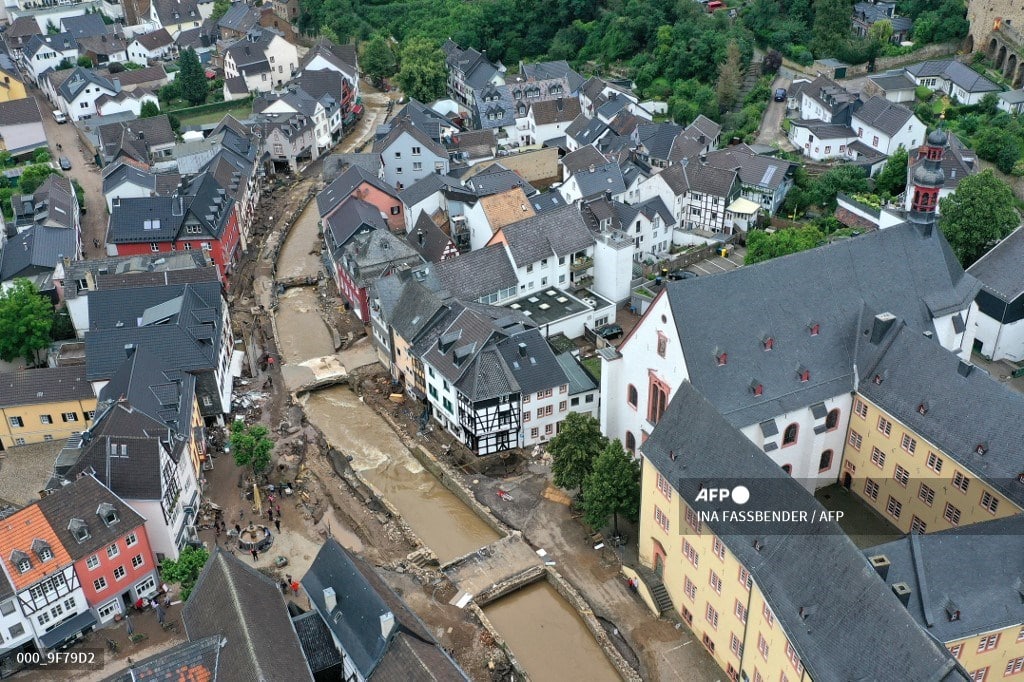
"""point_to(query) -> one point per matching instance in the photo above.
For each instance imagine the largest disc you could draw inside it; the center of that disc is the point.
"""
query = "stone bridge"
(1005, 49)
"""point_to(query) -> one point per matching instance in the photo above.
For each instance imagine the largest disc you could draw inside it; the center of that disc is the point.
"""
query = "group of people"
(274, 514)
(289, 583)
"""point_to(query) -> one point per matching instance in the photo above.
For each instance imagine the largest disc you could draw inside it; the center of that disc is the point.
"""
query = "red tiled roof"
(17, 533)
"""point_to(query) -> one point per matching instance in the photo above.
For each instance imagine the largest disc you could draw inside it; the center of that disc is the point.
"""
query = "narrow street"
(770, 132)
(64, 141)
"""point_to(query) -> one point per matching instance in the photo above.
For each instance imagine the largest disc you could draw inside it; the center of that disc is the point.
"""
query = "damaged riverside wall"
(569, 594)
(499, 640)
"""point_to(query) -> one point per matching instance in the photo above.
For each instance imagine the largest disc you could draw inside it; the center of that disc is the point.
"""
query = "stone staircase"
(750, 78)
(656, 588)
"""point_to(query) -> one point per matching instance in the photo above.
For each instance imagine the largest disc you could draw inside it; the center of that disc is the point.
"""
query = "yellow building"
(770, 601)
(39, 405)
(11, 87)
(933, 443)
(977, 611)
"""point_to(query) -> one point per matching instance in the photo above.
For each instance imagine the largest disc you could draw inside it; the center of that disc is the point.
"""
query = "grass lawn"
(215, 116)
(593, 366)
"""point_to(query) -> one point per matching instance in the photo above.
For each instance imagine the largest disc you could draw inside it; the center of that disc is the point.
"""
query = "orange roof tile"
(18, 532)
(506, 208)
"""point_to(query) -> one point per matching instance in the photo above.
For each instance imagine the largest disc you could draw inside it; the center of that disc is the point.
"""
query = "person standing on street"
(277, 523)
(255, 554)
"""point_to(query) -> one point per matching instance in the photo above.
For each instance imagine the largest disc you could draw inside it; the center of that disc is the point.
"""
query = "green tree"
(573, 450)
(26, 319)
(977, 215)
(185, 570)
(220, 8)
(85, 62)
(422, 74)
(34, 175)
(762, 246)
(846, 178)
(881, 32)
(893, 177)
(191, 78)
(42, 155)
(149, 109)
(612, 488)
(377, 59)
(250, 446)
(730, 78)
(831, 26)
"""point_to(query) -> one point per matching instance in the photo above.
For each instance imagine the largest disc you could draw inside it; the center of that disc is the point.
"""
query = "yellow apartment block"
(770, 602)
(916, 484)
(39, 405)
(11, 87)
(964, 587)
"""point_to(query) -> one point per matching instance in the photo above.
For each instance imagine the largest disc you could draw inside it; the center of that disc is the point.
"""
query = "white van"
(59, 116)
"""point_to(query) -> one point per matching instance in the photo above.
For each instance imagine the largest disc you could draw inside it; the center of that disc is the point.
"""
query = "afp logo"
(740, 494)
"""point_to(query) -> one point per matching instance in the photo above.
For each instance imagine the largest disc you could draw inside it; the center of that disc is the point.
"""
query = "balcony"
(581, 264)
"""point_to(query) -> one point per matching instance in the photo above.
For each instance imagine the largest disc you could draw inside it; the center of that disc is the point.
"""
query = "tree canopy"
(185, 570)
(33, 176)
(574, 449)
(377, 58)
(892, 179)
(612, 488)
(762, 246)
(422, 74)
(250, 446)
(26, 319)
(149, 109)
(191, 80)
(977, 215)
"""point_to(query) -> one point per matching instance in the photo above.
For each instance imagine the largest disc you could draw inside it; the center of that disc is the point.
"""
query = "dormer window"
(42, 550)
(815, 329)
(757, 388)
(878, 379)
(981, 448)
(107, 514)
(21, 561)
(79, 530)
(24, 565)
(923, 408)
(803, 373)
(722, 358)
(768, 342)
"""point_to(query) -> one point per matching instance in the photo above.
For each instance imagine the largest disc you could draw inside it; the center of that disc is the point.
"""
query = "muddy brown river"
(439, 518)
(303, 334)
(548, 637)
(298, 255)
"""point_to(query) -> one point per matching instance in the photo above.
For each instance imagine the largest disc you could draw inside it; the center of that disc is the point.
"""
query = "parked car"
(609, 331)
(65, 163)
(780, 94)
(59, 116)
(676, 275)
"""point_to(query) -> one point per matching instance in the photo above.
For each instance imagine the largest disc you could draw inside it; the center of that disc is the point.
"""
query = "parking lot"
(717, 264)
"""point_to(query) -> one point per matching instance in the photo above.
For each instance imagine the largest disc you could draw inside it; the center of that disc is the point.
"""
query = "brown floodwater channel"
(299, 255)
(548, 636)
(437, 516)
(303, 335)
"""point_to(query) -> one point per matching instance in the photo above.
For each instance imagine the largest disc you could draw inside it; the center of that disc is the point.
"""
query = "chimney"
(560, 104)
(419, 236)
(129, 349)
(387, 624)
(880, 326)
(591, 168)
(902, 592)
(964, 368)
(881, 564)
(330, 599)
(522, 350)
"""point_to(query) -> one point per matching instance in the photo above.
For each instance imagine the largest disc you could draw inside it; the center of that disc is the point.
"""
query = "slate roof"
(987, 595)
(586, 131)
(183, 342)
(825, 131)
(155, 39)
(817, 568)
(80, 501)
(753, 169)
(36, 251)
(414, 309)
(406, 126)
(477, 273)
(560, 232)
(46, 385)
(495, 179)
(147, 75)
(547, 201)
(999, 270)
(106, 44)
(240, 17)
(336, 164)
(363, 599)
(352, 216)
(341, 56)
(476, 144)
(957, 72)
(892, 81)
(235, 601)
(958, 162)
(880, 113)
(657, 138)
(531, 361)
(697, 177)
(85, 25)
(59, 42)
(476, 68)
(135, 138)
(346, 183)
(833, 97)
(171, 12)
(79, 79)
(196, 660)
(583, 158)
(655, 206)
(163, 218)
(580, 379)
(178, 267)
(901, 270)
(554, 69)
(561, 110)
(965, 407)
(495, 107)
(317, 643)
(371, 254)
(600, 180)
